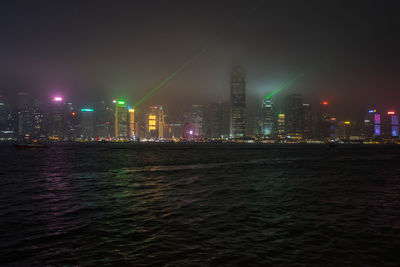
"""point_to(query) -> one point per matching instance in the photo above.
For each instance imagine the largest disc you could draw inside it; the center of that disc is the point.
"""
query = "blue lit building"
(390, 125)
(372, 125)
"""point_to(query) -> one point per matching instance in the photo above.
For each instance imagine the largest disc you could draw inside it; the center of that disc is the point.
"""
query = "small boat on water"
(332, 144)
(30, 145)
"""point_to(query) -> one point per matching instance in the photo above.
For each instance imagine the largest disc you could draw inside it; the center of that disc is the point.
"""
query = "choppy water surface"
(177, 204)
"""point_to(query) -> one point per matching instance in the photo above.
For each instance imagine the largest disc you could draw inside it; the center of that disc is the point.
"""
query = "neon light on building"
(58, 99)
(377, 130)
(152, 122)
(391, 113)
(377, 118)
(86, 110)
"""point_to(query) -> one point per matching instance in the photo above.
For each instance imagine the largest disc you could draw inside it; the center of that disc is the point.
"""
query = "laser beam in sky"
(292, 79)
(196, 56)
(184, 65)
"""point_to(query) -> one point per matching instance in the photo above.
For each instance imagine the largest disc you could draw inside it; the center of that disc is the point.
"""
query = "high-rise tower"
(155, 122)
(268, 125)
(121, 119)
(238, 102)
(294, 116)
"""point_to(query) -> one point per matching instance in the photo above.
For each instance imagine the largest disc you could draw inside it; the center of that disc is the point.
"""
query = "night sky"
(90, 50)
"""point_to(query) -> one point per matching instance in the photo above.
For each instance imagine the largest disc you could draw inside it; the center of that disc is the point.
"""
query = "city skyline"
(289, 120)
(128, 55)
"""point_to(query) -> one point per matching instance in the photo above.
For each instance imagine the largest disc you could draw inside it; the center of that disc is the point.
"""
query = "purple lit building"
(390, 125)
(372, 125)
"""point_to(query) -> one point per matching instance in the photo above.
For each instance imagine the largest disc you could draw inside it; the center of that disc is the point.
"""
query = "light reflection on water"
(200, 204)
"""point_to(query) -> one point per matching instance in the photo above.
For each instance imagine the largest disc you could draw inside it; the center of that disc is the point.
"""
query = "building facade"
(238, 103)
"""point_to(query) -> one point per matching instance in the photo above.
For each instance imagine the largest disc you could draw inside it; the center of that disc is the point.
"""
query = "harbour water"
(200, 204)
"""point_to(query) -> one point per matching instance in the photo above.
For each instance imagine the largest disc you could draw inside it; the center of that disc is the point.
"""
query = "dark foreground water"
(181, 205)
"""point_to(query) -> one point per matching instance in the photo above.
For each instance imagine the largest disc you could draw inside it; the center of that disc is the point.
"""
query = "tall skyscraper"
(25, 116)
(57, 118)
(88, 123)
(155, 122)
(132, 134)
(238, 102)
(38, 113)
(219, 118)
(105, 116)
(121, 119)
(268, 119)
(390, 125)
(307, 122)
(7, 130)
(281, 126)
(372, 125)
(325, 125)
(197, 117)
(294, 118)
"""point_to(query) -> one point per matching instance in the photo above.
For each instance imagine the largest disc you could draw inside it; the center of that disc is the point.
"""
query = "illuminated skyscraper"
(25, 116)
(121, 120)
(197, 117)
(105, 116)
(155, 122)
(7, 130)
(372, 125)
(390, 125)
(281, 126)
(344, 130)
(307, 122)
(38, 112)
(88, 123)
(268, 119)
(238, 103)
(294, 118)
(57, 118)
(325, 125)
(132, 134)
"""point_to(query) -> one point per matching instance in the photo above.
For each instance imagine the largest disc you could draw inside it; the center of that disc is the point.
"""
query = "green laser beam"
(184, 65)
(196, 56)
(292, 79)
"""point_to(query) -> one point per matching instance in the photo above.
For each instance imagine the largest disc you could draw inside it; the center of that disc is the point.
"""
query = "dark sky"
(97, 49)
